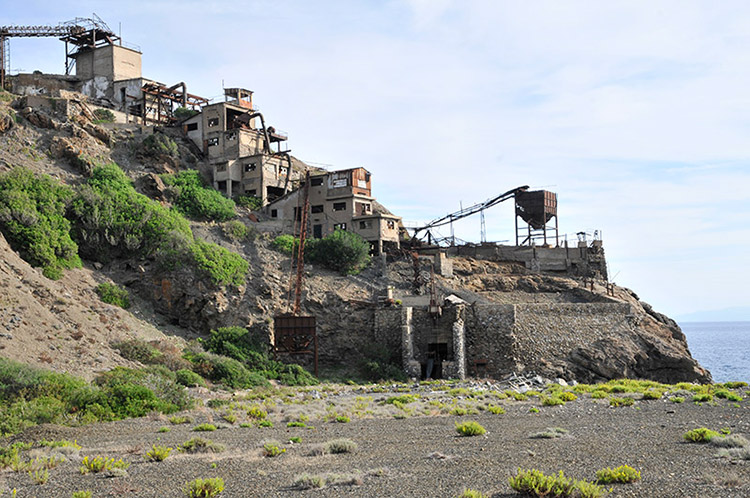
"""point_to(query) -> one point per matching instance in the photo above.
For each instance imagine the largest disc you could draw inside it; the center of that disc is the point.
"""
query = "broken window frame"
(339, 206)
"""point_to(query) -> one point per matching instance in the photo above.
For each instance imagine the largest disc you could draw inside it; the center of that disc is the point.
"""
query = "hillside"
(62, 324)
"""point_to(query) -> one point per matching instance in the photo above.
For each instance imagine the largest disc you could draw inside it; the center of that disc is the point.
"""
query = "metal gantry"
(78, 32)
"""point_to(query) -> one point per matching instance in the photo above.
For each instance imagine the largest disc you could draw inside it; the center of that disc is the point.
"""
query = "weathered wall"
(494, 340)
(543, 331)
(489, 339)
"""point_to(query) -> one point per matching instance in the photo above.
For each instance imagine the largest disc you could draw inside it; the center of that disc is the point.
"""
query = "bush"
(138, 350)
(158, 144)
(469, 429)
(622, 474)
(157, 453)
(700, 435)
(223, 267)
(272, 449)
(249, 201)
(702, 398)
(112, 220)
(32, 219)
(200, 445)
(195, 199)
(346, 252)
(188, 378)
(252, 353)
(285, 244)
(204, 428)
(535, 483)
(112, 294)
(136, 392)
(99, 464)
(204, 488)
(184, 112)
(103, 116)
(621, 402)
(472, 493)
(236, 230)
(496, 410)
(227, 371)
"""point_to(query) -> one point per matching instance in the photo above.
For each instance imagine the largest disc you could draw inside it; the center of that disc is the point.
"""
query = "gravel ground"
(415, 456)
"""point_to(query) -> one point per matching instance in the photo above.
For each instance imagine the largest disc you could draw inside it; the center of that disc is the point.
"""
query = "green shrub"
(621, 402)
(81, 494)
(470, 428)
(296, 424)
(136, 392)
(472, 493)
(99, 464)
(235, 230)
(223, 267)
(204, 488)
(734, 397)
(180, 419)
(112, 220)
(700, 435)
(184, 112)
(346, 252)
(103, 116)
(249, 201)
(495, 410)
(112, 294)
(158, 453)
(265, 423)
(677, 399)
(188, 378)
(138, 350)
(257, 413)
(284, 243)
(204, 428)
(32, 219)
(200, 445)
(272, 449)
(252, 353)
(403, 399)
(343, 419)
(535, 483)
(735, 384)
(158, 144)
(552, 401)
(195, 199)
(622, 474)
(227, 371)
(702, 398)
(381, 364)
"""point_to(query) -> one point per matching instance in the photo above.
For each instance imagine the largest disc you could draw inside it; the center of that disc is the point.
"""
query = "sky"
(635, 112)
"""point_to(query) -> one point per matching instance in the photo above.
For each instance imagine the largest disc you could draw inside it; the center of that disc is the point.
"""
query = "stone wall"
(543, 331)
(494, 340)
(489, 340)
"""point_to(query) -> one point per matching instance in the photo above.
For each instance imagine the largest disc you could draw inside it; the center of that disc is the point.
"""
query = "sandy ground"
(418, 455)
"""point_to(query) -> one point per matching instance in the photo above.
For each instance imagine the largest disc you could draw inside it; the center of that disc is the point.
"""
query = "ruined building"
(341, 200)
(239, 151)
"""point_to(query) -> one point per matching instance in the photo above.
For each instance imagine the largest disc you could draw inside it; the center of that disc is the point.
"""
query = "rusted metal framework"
(80, 32)
(468, 211)
(536, 209)
(159, 102)
(295, 334)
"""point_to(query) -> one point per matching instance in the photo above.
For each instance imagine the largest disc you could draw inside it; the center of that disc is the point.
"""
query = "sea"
(721, 347)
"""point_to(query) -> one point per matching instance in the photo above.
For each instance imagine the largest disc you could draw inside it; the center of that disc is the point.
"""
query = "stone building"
(340, 200)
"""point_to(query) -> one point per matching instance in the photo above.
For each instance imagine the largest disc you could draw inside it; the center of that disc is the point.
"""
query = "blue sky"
(635, 112)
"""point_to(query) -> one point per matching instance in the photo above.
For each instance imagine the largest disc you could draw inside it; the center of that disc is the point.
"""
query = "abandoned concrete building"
(107, 71)
(240, 153)
(340, 200)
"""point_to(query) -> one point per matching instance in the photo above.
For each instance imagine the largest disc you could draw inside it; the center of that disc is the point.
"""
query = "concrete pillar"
(412, 368)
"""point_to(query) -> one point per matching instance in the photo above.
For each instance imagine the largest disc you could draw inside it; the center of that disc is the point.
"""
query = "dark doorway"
(437, 353)
(318, 231)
